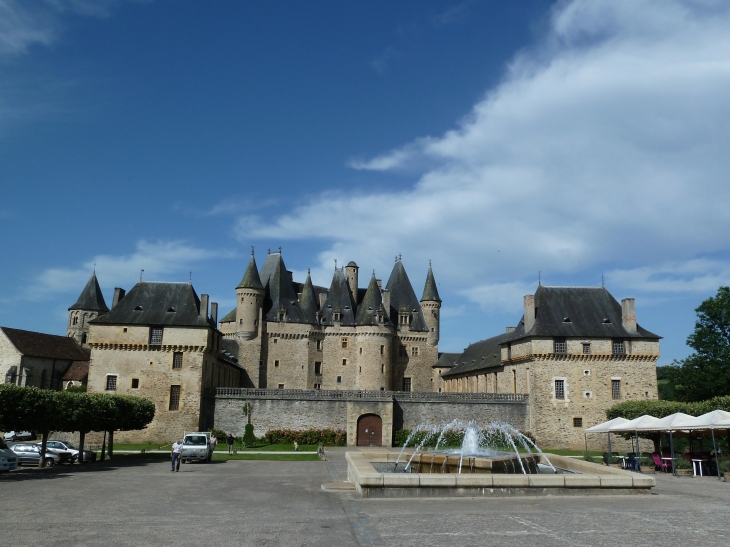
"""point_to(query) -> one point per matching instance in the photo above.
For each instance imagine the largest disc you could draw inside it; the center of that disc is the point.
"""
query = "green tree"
(706, 373)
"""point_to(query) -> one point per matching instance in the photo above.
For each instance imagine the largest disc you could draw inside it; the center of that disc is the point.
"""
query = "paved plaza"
(271, 503)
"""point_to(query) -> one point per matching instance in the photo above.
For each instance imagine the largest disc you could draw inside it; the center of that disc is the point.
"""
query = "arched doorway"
(369, 430)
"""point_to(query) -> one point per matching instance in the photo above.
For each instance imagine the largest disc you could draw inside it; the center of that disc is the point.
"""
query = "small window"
(615, 389)
(177, 358)
(382, 389)
(382, 350)
(281, 386)
(76, 320)
(135, 383)
(588, 395)
(414, 351)
(586, 373)
(319, 345)
(586, 349)
(276, 363)
(360, 351)
(174, 397)
(83, 339)
(240, 321)
(382, 369)
(406, 384)
(344, 342)
(317, 386)
(577, 422)
(318, 367)
(339, 379)
(276, 340)
(360, 370)
(282, 316)
(618, 347)
(559, 345)
(111, 383)
(124, 329)
(155, 336)
(344, 362)
(335, 316)
(560, 389)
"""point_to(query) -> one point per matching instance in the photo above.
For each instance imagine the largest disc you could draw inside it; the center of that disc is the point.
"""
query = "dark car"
(29, 454)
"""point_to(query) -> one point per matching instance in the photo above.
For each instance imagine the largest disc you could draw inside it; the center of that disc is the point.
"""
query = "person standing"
(213, 442)
(176, 454)
(230, 443)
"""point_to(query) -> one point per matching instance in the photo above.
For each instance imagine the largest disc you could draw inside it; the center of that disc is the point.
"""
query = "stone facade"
(572, 377)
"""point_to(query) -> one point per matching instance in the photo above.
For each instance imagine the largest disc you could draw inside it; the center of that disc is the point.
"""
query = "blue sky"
(499, 139)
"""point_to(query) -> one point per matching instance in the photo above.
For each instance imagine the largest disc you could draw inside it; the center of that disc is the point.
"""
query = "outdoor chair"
(632, 462)
(659, 464)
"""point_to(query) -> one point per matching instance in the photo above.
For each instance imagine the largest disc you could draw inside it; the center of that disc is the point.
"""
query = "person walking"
(213, 442)
(230, 443)
(176, 454)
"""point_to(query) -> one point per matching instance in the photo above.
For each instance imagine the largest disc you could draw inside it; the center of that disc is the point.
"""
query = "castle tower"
(249, 299)
(351, 273)
(431, 306)
(90, 305)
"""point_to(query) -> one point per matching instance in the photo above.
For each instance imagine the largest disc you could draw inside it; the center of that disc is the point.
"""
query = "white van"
(197, 447)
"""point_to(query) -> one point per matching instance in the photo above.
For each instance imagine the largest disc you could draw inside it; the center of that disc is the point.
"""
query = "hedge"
(660, 409)
(328, 437)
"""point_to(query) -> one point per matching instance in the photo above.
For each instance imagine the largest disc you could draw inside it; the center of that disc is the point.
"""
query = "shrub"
(219, 434)
(660, 409)
(328, 437)
(681, 463)
(249, 440)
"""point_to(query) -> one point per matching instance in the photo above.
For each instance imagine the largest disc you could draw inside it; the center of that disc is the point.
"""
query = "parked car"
(30, 454)
(196, 447)
(12, 436)
(8, 458)
(62, 447)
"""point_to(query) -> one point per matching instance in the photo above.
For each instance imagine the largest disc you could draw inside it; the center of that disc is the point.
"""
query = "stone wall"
(409, 413)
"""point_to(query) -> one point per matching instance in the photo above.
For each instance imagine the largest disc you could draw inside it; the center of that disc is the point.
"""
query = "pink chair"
(659, 463)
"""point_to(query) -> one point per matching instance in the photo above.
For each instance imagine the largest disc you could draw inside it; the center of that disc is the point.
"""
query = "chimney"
(386, 302)
(380, 284)
(510, 329)
(628, 314)
(118, 295)
(290, 276)
(214, 312)
(204, 306)
(529, 302)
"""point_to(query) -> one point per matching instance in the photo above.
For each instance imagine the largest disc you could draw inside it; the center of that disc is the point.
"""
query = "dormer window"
(566, 320)
(138, 308)
(171, 310)
(606, 321)
(336, 316)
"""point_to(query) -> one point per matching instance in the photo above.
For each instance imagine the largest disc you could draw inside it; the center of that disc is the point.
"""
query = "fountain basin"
(582, 478)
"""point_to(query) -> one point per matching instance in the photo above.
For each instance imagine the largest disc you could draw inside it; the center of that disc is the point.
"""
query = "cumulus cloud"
(160, 260)
(605, 144)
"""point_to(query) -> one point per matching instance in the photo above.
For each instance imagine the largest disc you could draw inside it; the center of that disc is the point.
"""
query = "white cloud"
(160, 260)
(606, 143)
(699, 276)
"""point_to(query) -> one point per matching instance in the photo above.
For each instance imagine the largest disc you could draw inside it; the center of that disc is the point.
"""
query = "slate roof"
(403, 297)
(77, 371)
(229, 317)
(280, 292)
(91, 298)
(157, 303)
(251, 279)
(47, 346)
(484, 354)
(593, 312)
(308, 301)
(430, 292)
(372, 301)
(446, 360)
(339, 300)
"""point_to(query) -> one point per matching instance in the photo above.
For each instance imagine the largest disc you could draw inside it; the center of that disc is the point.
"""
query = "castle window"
(586, 349)
(75, 320)
(360, 370)
(318, 367)
(509, 352)
(135, 383)
(83, 339)
(560, 389)
(282, 315)
(276, 363)
(414, 350)
(255, 322)
(615, 389)
(344, 362)
(319, 345)
(124, 329)
(240, 321)
(281, 386)
(406, 384)
(403, 351)
(174, 397)
(339, 379)
(155, 336)
(618, 347)
(360, 351)
(111, 382)
(382, 350)
(177, 358)
(11, 375)
(559, 345)
(344, 342)
(577, 422)
(335, 316)
(382, 369)
(317, 386)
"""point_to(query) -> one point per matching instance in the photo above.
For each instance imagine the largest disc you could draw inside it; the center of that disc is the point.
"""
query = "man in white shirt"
(177, 448)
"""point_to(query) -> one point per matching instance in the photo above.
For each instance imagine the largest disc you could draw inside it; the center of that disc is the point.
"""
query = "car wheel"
(48, 462)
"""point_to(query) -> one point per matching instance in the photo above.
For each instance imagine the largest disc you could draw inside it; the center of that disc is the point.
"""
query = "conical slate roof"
(251, 279)
(280, 293)
(308, 301)
(91, 298)
(402, 296)
(367, 310)
(430, 292)
(339, 300)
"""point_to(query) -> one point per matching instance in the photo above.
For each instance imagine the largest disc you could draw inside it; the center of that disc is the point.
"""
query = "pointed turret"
(280, 302)
(430, 292)
(404, 304)
(308, 301)
(90, 305)
(371, 311)
(338, 307)
(91, 298)
(251, 279)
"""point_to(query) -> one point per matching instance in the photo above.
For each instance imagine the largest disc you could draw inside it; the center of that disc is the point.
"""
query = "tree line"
(43, 411)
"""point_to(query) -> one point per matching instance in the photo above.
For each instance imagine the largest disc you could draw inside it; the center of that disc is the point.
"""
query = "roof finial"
(251, 250)
(94, 268)
(396, 258)
(190, 279)
(140, 275)
(269, 251)
(603, 284)
(335, 264)
(539, 278)
(307, 271)
(373, 272)
(399, 257)
(279, 249)
(429, 263)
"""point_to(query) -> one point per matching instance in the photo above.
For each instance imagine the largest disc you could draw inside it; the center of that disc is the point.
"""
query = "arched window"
(83, 339)
(11, 375)
(75, 320)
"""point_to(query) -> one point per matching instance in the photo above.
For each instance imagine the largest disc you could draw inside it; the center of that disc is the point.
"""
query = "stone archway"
(369, 430)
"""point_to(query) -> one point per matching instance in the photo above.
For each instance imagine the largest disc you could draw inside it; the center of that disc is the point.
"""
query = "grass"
(280, 447)
(219, 457)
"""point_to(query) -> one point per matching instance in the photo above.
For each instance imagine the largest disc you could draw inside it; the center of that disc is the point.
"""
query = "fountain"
(464, 459)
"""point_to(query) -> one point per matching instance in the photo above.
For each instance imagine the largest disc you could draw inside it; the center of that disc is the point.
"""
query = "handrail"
(314, 394)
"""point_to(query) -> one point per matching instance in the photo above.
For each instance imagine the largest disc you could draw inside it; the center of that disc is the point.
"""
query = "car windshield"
(195, 439)
(69, 445)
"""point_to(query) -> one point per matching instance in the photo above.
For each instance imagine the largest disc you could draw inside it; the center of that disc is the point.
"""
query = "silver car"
(30, 454)
(8, 458)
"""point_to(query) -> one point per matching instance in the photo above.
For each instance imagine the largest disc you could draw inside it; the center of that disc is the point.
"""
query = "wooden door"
(370, 430)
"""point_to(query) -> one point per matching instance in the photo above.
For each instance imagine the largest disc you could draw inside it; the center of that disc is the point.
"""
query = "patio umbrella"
(716, 419)
(671, 423)
(604, 428)
(642, 423)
